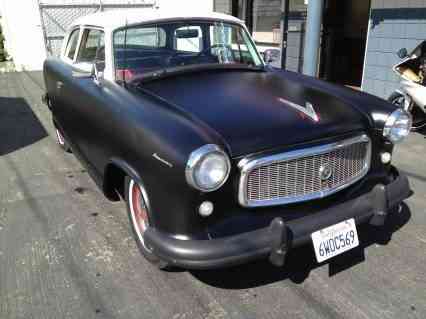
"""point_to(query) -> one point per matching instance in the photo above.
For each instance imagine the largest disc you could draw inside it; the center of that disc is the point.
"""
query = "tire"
(419, 117)
(62, 142)
(139, 217)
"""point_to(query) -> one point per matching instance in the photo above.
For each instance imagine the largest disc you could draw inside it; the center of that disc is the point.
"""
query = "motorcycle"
(411, 95)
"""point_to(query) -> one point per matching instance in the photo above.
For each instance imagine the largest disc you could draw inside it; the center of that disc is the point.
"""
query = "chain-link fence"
(57, 16)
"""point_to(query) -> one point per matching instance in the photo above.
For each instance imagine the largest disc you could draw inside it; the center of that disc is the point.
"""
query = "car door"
(85, 111)
(58, 81)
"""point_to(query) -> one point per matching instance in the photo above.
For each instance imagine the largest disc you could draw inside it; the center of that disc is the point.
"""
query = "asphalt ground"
(67, 252)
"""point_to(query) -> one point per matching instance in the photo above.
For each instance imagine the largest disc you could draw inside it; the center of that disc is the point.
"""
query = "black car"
(220, 158)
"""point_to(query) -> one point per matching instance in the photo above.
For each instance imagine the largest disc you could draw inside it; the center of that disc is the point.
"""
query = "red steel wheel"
(62, 142)
(61, 139)
(138, 210)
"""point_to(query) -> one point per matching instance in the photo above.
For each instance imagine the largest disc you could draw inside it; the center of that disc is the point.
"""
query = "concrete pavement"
(66, 252)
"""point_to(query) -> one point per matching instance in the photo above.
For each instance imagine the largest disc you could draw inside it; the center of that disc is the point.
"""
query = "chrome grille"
(303, 174)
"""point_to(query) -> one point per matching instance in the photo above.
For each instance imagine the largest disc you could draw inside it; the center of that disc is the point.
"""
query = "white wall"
(206, 5)
(23, 33)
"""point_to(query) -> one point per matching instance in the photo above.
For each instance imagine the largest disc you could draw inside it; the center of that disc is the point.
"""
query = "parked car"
(219, 158)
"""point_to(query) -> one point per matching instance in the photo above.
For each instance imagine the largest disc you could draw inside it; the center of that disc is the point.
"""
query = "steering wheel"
(226, 46)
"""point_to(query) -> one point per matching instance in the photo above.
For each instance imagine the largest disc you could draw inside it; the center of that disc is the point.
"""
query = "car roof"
(115, 19)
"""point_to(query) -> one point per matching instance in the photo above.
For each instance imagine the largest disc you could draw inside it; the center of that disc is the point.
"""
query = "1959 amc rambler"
(220, 158)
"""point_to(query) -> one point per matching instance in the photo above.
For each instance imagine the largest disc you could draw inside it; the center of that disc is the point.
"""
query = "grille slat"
(298, 179)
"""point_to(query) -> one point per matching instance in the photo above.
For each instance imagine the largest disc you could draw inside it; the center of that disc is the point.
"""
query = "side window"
(92, 46)
(189, 39)
(72, 44)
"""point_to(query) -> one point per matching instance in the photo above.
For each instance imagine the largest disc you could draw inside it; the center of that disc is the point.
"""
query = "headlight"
(398, 126)
(208, 168)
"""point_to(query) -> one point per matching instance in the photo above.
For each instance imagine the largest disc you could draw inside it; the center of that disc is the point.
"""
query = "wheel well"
(114, 182)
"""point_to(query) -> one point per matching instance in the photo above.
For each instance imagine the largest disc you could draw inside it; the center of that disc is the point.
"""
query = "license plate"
(335, 240)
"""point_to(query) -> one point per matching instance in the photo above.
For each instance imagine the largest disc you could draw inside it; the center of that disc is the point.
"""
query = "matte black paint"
(111, 126)
(244, 107)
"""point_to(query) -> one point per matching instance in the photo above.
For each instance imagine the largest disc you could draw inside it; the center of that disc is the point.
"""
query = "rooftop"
(119, 18)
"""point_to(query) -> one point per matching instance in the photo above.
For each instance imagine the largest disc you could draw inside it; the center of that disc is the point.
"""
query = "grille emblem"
(325, 172)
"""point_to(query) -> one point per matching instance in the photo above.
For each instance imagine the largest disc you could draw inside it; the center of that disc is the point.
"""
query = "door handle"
(59, 85)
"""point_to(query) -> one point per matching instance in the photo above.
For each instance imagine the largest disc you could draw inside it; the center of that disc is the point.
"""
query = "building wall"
(206, 5)
(393, 25)
(223, 6)
(295, 42)
(23, 33)
(22, 24)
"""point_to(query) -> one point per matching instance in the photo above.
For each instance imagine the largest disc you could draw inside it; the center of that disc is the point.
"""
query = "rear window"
(143, 37)
(188, 39)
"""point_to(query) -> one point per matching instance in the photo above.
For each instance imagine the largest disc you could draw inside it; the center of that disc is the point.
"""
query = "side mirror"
(98, 72)
(402, 53)
(271, 56)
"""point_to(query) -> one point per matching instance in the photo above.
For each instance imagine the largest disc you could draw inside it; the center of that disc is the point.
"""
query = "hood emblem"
(308, 110)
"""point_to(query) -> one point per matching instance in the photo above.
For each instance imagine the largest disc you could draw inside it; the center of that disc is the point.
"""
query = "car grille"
(304, 174)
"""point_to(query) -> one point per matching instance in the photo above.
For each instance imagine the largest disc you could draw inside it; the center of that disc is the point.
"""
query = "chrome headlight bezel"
(196, 159)
(391, 125)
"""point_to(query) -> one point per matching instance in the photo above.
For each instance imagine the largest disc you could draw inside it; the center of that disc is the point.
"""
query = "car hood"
(255, 111)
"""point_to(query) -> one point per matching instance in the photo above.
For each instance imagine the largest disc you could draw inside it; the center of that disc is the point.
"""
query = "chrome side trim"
(158, 158)
(247, 165)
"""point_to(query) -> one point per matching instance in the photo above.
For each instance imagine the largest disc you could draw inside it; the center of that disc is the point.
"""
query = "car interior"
(169, 46)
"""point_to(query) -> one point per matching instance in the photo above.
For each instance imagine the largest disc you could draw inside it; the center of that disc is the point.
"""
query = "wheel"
(62, 141)
(139, 217)
(419, 117)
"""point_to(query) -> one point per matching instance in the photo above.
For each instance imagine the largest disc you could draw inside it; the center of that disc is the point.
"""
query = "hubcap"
(138, 210)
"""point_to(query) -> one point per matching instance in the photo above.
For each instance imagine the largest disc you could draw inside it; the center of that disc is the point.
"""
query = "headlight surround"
(208, 168)
(398, 126)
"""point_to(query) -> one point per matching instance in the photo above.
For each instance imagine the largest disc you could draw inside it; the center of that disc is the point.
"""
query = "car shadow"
(19, 126)
(301, 261)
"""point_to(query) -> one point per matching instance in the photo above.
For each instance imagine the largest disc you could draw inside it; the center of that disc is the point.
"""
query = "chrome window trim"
(247, 165)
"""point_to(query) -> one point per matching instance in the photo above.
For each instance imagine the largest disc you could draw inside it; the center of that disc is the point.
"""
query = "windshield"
(145, 51)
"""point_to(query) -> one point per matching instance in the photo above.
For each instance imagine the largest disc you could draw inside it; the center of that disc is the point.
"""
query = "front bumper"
(280, 236)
